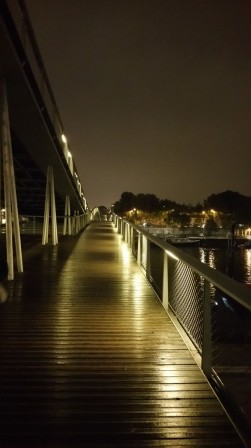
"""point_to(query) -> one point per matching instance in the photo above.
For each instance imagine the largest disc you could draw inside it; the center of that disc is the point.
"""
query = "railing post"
(148, 259)
(126, 232)
(165, 298)
(119, 226)
(139, 249)
(123, 228)
(206, 362)
(131, 238)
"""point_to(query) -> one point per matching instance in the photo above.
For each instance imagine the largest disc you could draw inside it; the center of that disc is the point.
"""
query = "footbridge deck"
(90, 358)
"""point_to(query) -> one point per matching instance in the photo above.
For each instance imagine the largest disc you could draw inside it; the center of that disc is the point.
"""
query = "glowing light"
(69, 154)
(3, 216)
(171, 255)
(64, 139)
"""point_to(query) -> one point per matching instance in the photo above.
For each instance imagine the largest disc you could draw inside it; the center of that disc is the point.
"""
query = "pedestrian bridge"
(110, 337)
(90, 357)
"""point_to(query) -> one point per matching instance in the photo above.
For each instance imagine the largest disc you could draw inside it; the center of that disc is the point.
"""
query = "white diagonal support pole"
(67, 217)
(50, 203)
(54, 230)
(46, 211)
(10, 191)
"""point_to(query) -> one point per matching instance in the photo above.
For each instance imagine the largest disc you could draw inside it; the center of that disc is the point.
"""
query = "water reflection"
(238, 265)
(207, 256)
(247, 264)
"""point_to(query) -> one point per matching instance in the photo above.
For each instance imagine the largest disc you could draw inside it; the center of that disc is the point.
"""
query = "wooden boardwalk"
(89, 358)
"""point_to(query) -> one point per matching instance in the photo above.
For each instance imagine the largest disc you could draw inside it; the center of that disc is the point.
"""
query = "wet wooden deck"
(89, 357)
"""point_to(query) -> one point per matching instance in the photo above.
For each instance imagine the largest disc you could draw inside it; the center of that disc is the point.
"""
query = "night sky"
(155, 95)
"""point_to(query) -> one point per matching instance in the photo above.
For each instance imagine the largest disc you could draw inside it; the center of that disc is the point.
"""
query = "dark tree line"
(231, 203)
(145, 202)
(228, 202)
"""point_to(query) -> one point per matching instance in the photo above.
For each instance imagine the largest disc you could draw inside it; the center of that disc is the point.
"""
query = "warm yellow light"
(64, 140)
(69, 154)
(171, 255)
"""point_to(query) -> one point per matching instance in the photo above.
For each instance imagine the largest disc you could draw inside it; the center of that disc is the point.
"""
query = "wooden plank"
(89, 357)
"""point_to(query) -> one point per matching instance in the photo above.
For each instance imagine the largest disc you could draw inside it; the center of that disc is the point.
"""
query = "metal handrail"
(200, 316)
(229, 286)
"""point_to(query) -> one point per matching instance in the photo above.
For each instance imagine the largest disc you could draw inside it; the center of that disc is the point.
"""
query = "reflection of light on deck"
(137, 281)
(138, 286)
(64, 318)
(126, 255)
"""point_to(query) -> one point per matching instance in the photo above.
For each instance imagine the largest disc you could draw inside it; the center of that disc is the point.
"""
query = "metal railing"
(212, 309)
(33, 225)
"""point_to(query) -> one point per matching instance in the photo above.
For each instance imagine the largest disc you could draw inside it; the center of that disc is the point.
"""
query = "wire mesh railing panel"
(214, 311)
(231, 332)
(231, 349)
(186, 295)
(156, 271)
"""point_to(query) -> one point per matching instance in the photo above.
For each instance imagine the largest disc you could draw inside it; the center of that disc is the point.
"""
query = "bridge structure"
(39, 173)
(111, 337)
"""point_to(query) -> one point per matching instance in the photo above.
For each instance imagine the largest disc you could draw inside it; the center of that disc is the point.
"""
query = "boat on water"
(183, 241)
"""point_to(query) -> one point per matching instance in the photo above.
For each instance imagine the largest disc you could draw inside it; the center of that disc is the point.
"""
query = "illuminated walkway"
(89, 357)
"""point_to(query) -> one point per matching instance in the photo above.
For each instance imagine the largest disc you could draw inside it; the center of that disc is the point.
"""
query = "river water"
(237, 266)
